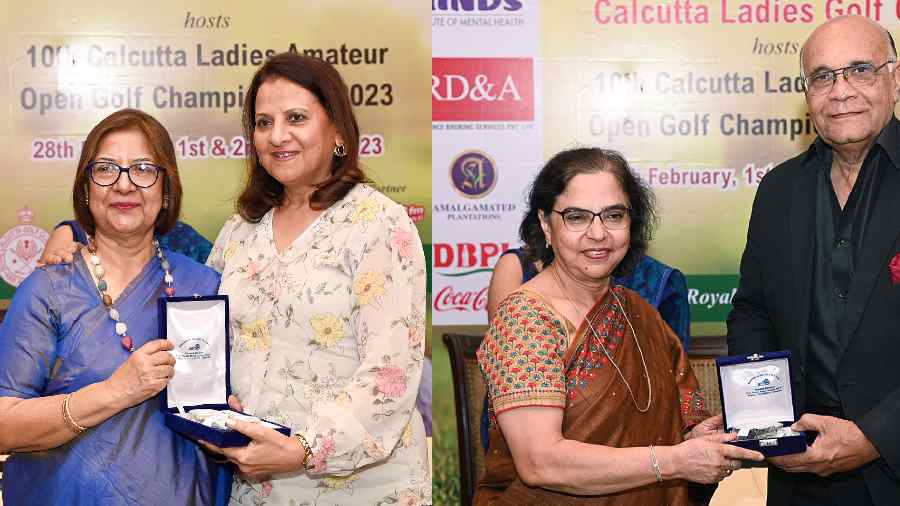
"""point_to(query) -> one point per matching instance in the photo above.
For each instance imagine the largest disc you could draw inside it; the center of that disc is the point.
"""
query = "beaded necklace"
(102, 286)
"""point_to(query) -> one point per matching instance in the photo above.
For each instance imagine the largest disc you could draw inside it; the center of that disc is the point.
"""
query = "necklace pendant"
(170, 291)
(128, 344)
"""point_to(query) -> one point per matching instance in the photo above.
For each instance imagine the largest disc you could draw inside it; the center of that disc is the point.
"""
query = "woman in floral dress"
(326, 278)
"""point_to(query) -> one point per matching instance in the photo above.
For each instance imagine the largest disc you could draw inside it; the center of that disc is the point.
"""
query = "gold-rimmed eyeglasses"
(858, 74)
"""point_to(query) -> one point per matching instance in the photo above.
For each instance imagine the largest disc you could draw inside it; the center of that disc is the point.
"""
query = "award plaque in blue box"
(757, 402)
(195, 402)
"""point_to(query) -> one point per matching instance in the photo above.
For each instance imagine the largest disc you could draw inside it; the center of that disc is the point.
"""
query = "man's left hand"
(840, 447)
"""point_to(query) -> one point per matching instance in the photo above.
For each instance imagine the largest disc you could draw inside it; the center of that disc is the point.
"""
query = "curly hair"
(554, 178)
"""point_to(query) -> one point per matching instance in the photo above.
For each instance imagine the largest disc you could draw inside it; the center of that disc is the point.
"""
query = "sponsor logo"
(473, 174)
(765, 384)
(474, 256)
(451, 299)
(471, 6)
(20, 248)
(709, 296)
(474, 211)
(482, 89)
(416, 212)
(710, 300)
(488, 14)
(194, 348)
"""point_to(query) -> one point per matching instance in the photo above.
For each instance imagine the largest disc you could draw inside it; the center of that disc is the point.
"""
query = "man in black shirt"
(815, 276)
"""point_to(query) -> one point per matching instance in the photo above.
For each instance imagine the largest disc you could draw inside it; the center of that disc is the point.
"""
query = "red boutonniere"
(894, 267)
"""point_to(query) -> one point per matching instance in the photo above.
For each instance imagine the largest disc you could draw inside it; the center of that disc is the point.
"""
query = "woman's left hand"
(712, 425)
(269, 452)
(63, 255)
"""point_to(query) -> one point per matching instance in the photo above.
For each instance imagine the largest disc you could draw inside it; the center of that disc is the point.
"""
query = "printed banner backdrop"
(68, 65)
(486, 143)
(702, 97)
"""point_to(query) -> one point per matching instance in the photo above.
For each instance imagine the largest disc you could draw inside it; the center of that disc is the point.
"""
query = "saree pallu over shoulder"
(598, 408)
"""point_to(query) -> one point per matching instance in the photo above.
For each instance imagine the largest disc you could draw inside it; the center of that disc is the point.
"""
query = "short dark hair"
(261, 191)
(552, 181)
(163, 155)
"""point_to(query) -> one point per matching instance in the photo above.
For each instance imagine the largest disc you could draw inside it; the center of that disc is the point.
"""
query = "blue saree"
(56, 338)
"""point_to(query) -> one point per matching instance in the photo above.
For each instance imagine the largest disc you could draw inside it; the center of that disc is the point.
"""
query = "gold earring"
(165, 204)
(339, 150)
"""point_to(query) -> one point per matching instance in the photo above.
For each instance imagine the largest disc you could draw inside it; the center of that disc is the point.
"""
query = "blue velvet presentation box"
(756, 395)
(199, 329)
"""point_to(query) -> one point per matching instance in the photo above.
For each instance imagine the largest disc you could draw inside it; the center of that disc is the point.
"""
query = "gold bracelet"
(67, 417)
(306, 449)
(655, 464)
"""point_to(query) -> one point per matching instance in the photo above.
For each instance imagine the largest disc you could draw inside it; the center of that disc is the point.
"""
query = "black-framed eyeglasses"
(578, 220)
(141, 174)
(858, 74)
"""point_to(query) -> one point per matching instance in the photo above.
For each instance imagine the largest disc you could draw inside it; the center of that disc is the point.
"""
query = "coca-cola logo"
(450, 299)
(482, 89)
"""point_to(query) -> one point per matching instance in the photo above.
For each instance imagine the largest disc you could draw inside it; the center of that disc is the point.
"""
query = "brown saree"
(525, 362)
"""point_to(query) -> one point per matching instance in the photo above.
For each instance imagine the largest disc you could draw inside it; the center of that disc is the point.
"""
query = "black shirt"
(839, 238)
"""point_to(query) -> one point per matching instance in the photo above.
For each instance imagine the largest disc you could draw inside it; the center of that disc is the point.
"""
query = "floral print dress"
(328, 339)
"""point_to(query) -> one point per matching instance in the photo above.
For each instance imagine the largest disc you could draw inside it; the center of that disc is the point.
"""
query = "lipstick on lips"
(124, 206)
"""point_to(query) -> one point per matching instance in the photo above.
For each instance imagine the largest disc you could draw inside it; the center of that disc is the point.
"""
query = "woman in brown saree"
(592, 399)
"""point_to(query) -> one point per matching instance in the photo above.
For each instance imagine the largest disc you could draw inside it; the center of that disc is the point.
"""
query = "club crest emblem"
(20, 248)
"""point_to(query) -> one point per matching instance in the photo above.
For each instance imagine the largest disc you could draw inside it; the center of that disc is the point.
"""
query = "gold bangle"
(67, 417)
(307, 450)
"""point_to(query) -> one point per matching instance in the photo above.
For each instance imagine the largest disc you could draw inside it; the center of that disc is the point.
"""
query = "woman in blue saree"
(80, 368)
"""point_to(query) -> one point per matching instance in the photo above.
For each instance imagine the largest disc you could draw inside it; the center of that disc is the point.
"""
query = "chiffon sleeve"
(521, 357)
(371, 415)
(28, 333)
